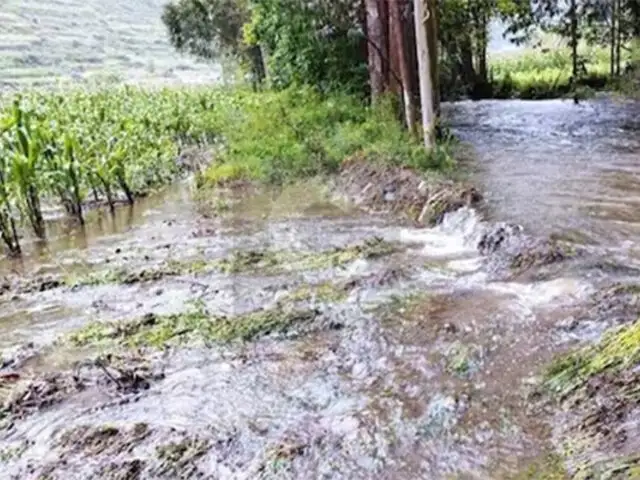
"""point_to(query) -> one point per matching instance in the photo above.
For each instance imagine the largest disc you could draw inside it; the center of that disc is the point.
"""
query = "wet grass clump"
(180, 457)
(547, 253)
(618, 351)
(123, 276)
(277, 261)
(242, 261)
(463, 360)
(103, 439)
(598, 384)
(124, 374)
(158, 330)
(547, 467)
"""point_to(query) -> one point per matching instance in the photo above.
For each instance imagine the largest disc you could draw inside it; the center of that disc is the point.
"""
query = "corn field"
(71, 148)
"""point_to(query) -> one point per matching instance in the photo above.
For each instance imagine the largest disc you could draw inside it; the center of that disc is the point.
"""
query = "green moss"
(618, 350)
(157, 331)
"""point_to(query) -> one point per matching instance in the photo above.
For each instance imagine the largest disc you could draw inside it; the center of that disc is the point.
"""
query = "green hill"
(42, 41)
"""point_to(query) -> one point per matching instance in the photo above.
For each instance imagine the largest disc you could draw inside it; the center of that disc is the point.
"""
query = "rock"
(450, 328)
(496, 236)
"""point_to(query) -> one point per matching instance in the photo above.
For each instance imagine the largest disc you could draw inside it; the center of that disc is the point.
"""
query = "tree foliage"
(319, 43)
(330, 43)
(206, 28)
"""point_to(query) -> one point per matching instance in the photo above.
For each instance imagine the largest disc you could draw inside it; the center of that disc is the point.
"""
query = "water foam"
(458, 234)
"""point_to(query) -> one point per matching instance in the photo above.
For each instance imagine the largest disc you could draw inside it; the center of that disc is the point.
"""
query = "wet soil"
(376, 326)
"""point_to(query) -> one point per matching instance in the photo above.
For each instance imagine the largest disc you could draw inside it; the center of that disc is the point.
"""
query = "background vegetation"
(325, 43)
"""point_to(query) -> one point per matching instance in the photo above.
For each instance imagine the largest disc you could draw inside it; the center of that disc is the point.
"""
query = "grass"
(618, 351)
(534, 74)
(277, 136)
(158, 331)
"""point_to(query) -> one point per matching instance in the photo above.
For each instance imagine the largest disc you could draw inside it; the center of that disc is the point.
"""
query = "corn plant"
(27, 148)
(62, 148)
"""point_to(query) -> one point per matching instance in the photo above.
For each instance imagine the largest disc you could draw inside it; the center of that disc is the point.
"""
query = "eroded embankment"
(290, 335)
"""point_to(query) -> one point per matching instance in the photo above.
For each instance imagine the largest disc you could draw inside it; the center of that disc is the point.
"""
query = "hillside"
(45, 40)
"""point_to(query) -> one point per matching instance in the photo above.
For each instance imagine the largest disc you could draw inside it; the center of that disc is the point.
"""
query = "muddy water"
(422, 370)
(555, 167)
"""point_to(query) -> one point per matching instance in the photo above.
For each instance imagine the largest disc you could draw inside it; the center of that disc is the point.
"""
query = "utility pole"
(422, 12)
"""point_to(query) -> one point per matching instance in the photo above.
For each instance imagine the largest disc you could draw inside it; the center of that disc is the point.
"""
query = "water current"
(420, 370)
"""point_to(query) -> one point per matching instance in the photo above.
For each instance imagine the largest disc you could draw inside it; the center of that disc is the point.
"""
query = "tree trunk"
(412, 52)
(421, 12)
(395, 48)
(432, 40)
(397, 24)
(574, 40)
(482, 49)
(375, 47)
(385, 57)
(467, 70)
(619, 35)
(612, 65)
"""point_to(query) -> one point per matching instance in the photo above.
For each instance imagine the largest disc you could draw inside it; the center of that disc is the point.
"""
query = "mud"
(116, 375)
(379, 188)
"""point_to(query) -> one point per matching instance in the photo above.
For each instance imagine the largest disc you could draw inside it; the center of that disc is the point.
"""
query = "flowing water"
(420, 370)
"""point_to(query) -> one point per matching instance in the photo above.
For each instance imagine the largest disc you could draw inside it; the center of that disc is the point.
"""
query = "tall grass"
(535, 74)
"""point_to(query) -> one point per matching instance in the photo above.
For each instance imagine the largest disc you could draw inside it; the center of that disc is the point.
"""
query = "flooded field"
(289, 334)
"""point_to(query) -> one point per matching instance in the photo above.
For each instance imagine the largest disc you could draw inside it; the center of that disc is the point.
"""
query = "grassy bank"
(111, 145)
(539, 75)
(276, 136)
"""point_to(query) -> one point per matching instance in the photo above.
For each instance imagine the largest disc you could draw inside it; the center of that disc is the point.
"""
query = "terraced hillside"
(43, 41)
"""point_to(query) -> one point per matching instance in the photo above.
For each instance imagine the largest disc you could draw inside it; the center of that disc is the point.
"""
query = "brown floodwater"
(432, 387)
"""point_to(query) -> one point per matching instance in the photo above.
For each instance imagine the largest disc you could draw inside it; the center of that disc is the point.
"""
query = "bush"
(536, 75)
(278, 136)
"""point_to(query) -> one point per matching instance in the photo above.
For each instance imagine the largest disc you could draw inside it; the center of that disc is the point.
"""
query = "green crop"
(107, 145)
(110, 145)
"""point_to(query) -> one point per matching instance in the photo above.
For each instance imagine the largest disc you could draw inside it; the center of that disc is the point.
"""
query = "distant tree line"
(414, 49)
